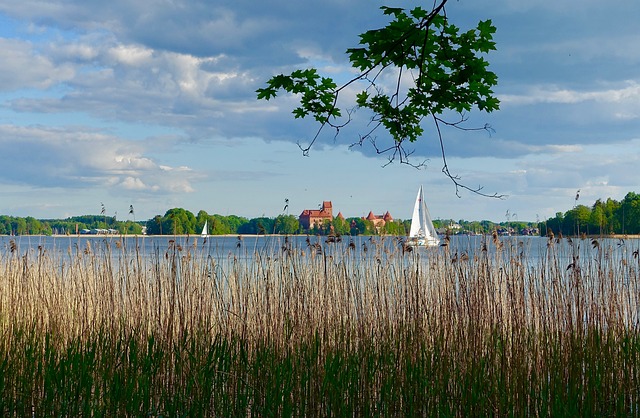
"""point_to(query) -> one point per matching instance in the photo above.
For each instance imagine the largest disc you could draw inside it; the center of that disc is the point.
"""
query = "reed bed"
(321, 330)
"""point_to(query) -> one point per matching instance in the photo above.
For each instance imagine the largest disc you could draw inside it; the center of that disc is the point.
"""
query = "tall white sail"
(422, 232)
(205, 230)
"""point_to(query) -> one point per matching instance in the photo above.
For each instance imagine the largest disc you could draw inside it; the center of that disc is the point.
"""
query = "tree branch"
(451, 76)
(456, 179)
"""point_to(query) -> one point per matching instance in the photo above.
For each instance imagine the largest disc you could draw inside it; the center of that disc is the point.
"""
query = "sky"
(152, 104)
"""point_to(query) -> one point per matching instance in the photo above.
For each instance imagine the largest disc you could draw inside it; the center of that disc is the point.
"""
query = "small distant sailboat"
(422, 232)
(205, 230)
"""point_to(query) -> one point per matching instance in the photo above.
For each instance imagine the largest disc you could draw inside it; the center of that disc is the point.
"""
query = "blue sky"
(152, 104)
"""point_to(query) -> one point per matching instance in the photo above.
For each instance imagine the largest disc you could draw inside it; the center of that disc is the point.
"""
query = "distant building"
(312, 217)
(316, 217)
(99, 231)
(379, 221)
(454, 226)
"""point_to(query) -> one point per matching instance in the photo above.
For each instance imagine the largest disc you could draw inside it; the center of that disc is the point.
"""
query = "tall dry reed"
(322, 329)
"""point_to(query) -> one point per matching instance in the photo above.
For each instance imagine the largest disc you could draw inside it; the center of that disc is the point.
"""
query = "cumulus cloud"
(136, 84)
(628, 93)
(133, 183)
(65, 157)
(201, 78)
(24, 67)
(132, 55)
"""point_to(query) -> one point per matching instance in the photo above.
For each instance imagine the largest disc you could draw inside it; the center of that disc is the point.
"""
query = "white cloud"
(564, 149)
(131, 55)
(23, 67)
(629, 92)
(133, 183)
(73, 51)
(83, 159)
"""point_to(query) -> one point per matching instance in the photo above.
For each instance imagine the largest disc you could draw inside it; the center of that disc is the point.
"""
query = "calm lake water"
(532, 248)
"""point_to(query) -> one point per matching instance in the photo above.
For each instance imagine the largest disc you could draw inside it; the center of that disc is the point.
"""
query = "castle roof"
(324, 212)
(316, 213)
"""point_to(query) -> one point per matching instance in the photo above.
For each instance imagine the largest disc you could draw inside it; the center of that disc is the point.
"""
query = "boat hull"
(423, 242)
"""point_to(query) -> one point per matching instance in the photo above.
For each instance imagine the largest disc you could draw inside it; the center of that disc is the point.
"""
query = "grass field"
(321, 331)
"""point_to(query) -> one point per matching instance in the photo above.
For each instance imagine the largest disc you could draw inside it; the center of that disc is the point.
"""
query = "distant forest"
(602, 218)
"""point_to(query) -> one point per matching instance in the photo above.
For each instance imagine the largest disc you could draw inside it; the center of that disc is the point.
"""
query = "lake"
(529, 247)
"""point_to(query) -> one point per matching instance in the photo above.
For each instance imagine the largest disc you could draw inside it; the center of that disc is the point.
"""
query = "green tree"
(576, 221)
(325, 228)
(360, 226)
(395, 227)
(340, 226)
(583, 215)
(19, 226)
(407, 226)
(5, 225)
(176, 221)
(34, 226)
(154, 225)
(611, 207)
(488, 226)
(184, 221)
(437, 69)
(286, 224)
(629, 213)
(130, 227)
(442, 223)
(257, 226)
(598, 221)
(554, 225)
(234, 222)
(221, 225)
(475, 227)
(201, 218)
(46, 229)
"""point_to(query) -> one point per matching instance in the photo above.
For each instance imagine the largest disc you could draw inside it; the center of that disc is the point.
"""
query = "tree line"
(14, 225)
(602, 218)
(179, 221)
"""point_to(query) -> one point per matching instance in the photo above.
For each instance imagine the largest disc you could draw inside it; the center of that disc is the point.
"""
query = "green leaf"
(361, 98)
(299, 112)
(391, 10)
(266, 94)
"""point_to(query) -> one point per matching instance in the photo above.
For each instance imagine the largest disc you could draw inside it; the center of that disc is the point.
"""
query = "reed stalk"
(320, 330)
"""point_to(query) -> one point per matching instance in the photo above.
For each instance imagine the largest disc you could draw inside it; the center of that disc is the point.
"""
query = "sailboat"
(422, 232)
(205, 230)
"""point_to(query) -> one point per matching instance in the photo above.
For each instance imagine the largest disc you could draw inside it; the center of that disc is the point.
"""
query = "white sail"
(205, 230)
(422, 232)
